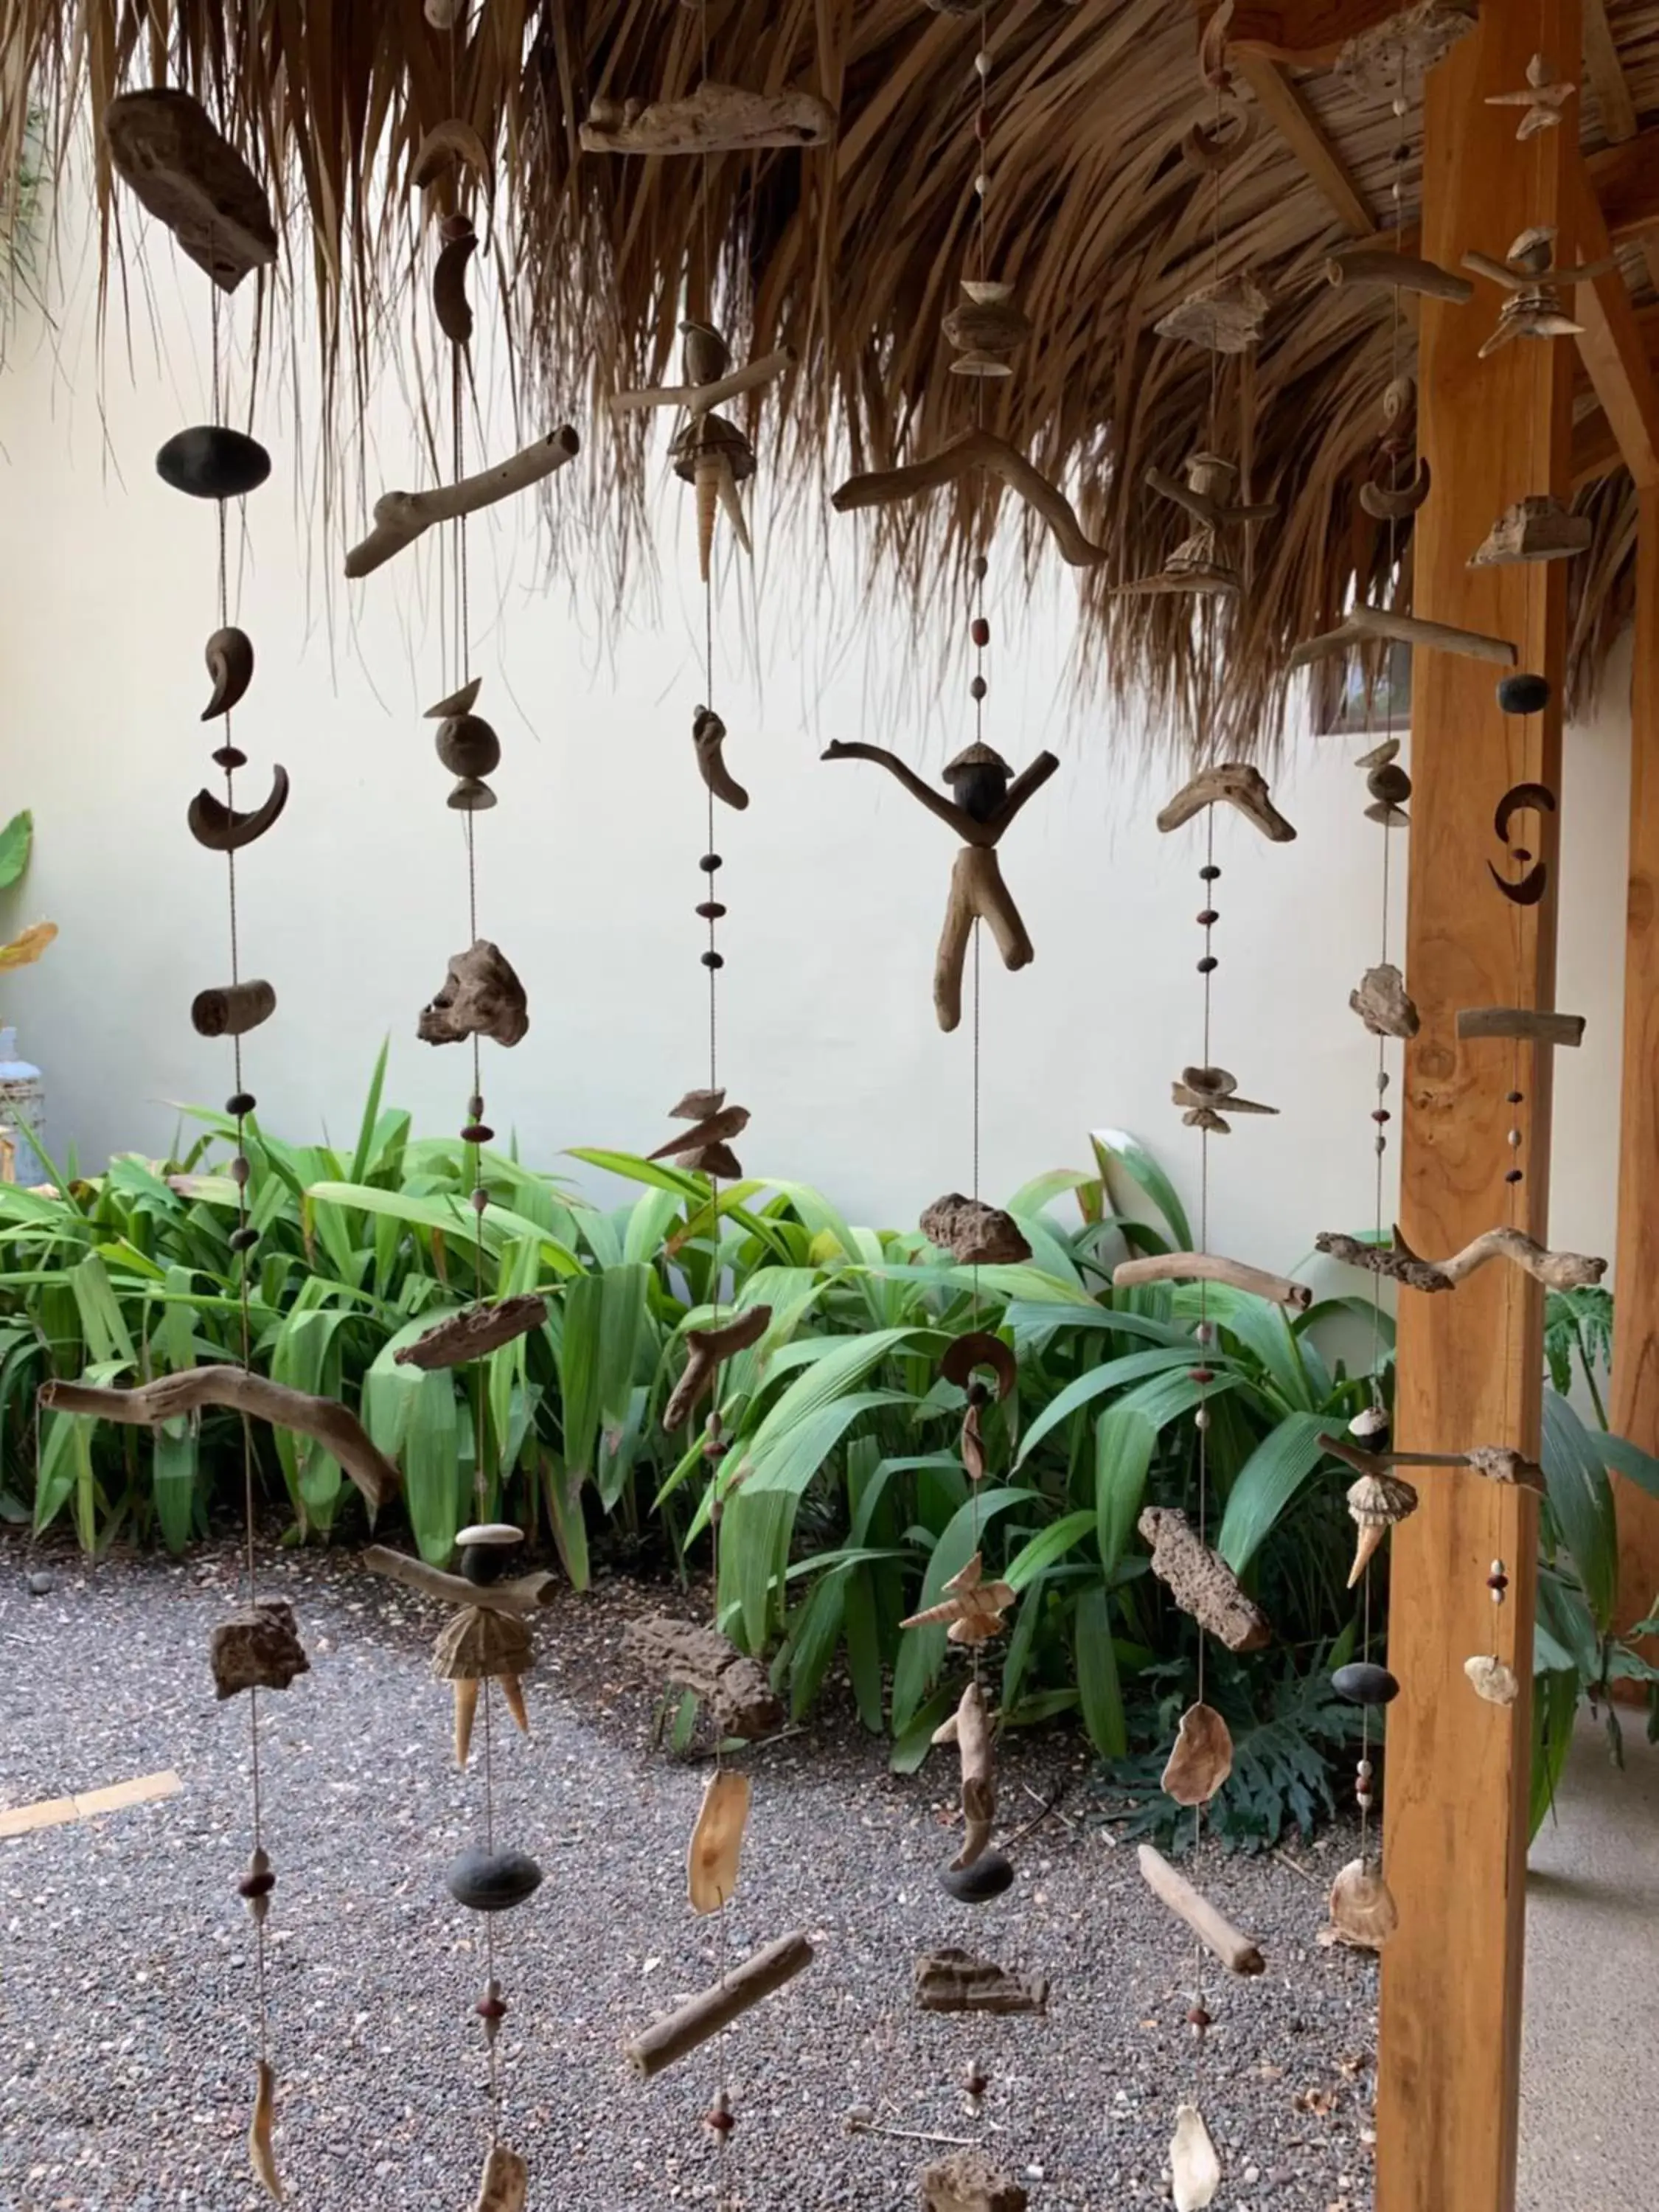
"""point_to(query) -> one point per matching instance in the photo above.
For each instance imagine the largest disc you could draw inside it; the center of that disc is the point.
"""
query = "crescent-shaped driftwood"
(323, 1420)
(1211, 1267)
(1557, 1270)
(707, 735)
(1387, 503)
(401, 517)
(449, 302)
(706, 1349)
(976, 449)
(229, 657)
(1238, 784)
(445, 144)
(223, 828)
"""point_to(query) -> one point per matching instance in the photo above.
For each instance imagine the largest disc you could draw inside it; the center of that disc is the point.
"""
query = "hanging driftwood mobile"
(1541, 101)
(1198, 563)
(983, 802)
(1528, 275)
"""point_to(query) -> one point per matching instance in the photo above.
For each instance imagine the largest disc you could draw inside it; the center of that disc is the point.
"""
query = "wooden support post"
(1471, 1362)
(1635, 1410)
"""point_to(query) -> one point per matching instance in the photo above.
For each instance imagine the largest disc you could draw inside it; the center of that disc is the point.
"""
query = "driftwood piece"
(475, 1332)
(504, 2183)
(951, 1980)
(1211, 1267)
(1372, 268)
(456, 703)
(261, 2152)
(975, 1233)
(480, 996)
(1557, 1270)
(1239, 784)
(1201, 1581)
(1202, 1759)
(707, 735)
(1364, 625)
(401, 517)
(322, 1420)
(699, 399)
(1194, 2162)
(716, 119)
(1206, 1092)
(1383, 1003)
(706, 1348)
(1239, 1953)
(523, 1594)
(1531, 1025)
(1362, 1907)
(446, 143)
(707, 2014)
(967, 2181)
(1536, 528)
(224, 829)
(978, 893)
(232, 1009)
(976, 449)
(711, 1128)
(693, 1657)
(449, 302)
(969, 1728)
(711, 1858)
(1541, 99)
(1222, 317)
(257, 1648)
(974, 828)
(1496, 1462)
(166, 148)
(229, 657)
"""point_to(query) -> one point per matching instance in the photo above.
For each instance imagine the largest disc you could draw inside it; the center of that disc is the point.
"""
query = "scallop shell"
(1491, 1680)
(1362, 1906)
(985, 293)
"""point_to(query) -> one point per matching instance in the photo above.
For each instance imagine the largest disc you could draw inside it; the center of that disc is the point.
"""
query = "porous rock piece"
(166, 148)
(967, 2182)
(734, 1688)
(1383, 1003)
(1201, 1581)
(257, 1649)
(952, 1980)
(480, 996)
(975, 1235)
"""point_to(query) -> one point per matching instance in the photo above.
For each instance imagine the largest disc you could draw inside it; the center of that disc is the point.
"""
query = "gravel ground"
(126, 1974)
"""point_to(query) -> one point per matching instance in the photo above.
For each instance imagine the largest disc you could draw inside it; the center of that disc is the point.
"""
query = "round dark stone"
(39, 1583)
(467, 745)
(712, 910)
(987, 1877)
(244, 1240)
(709, 862)
(231, 757)
(1363, 1684)
(1208, 964)
(477, 1132)
(241, 1103)
(1523, 694)
(713, 960)
(492, 1882)
(484, 1564)
(212, 462)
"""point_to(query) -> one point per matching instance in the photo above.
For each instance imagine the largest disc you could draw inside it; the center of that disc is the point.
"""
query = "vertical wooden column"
(1470, 1360)
(1635, 1409)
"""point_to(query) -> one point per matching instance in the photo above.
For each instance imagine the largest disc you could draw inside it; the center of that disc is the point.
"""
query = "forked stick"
(700, 398)
(1239, 1953)
(401, 517)
(976, 449)
(968, 827)
(1366, 625)
(1211, 1267)
(323, 1420)
(523, 1594)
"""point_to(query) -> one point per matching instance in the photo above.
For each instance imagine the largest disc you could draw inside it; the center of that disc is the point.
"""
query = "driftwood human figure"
(982, 803)
(488, 1638)
(1199, 562)
(1528, 275)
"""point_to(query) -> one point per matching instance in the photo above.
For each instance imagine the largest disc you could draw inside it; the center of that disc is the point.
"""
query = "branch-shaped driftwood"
(1211, 1267)
(1201, 1581)
(706, 1348)
(1366, 625)
(323, 1420)
(969, 1728)
(1557, 1270)
(971, 830)
(1239, 785)
(1366, 268)
(401, 517)
(711, 2010)
(1237, 1953)
(1530, 1024)
(735, 1689)
(976, 449)
(716, 119)
(523, 1594)
(1496, 1462)
(475, 1332)
(700, 398)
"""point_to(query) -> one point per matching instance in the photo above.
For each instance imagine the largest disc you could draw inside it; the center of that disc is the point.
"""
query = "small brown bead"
(256, 1885)
(709, 862)
(491, 2005)
(1201, 1374)
(1208, 964)
(476, 1132)
(1498, 1584)
(978, 688)
(1513, 1097)
(713, 960)
(239, 1170)
(981, 567)
(1198, 2018)
(475, 1108)
(1209, 872)
(712, 910)
(244, 1240)
(1208, 917)
(241, 1103)
(480, 1199)
(1381, 1145)
(1515, 1176)
(983, 125)
(230, 757)
(1381, 1114)
(980, 631)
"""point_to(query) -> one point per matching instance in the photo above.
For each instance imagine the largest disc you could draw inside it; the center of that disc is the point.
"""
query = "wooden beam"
(1607, 75)
(1470, 1364)
(1283, 104)
(1614, 347)
(1623, 178)
(1635, 1410)
(1308, 33)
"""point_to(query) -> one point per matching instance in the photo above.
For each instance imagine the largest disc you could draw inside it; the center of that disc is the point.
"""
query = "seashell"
(458, 702)
(1362, 1906)
(1194, 2167)
(1376, 1502)
(986, 292)
(1498, 1683)
(1372, 1421)
(711, 1860)
(1202, 1757)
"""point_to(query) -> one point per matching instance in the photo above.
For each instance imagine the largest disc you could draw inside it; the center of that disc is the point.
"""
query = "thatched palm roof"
(850, 255)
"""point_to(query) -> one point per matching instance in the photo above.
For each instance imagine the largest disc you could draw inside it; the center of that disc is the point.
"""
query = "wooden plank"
(1614, 347)
(1470, 1364)
(1635, 1408)
(1284, 105)
(1307, 33)
(1607, 75)
(44, 1813)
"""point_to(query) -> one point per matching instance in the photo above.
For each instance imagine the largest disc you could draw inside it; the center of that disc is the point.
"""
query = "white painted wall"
(835, 880)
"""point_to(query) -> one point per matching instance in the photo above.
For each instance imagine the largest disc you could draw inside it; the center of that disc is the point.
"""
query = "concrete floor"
(1589, 2077)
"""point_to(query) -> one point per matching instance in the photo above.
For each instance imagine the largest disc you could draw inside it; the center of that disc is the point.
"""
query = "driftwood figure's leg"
(977, 894)
(993, 903)
(952, 955)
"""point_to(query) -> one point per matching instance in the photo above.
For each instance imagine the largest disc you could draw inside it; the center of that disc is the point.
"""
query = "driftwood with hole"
(758, 1976)
(1201, 1581)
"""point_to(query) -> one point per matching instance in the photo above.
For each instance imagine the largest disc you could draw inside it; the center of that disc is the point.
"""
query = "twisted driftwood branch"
(1557, 1270)
(401, 517)
(976, 449)
(1211, 1267)
(322, 1420)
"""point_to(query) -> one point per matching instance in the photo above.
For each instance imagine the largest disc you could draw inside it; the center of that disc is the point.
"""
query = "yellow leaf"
(23, 951)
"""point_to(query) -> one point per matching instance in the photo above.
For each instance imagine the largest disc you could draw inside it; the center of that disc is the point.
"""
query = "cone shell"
(1376, 1502)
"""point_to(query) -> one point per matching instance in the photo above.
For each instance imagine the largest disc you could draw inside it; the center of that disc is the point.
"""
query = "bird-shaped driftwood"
(705, 1146)
(1209, 1095)
(973, 1606)
(1541, 99)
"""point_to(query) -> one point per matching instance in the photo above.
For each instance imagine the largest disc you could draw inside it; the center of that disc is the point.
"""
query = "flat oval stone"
(988, 1876)
(501, 1534)
(1523, 694)
(210, 462)
(492, 1882)
(1363, 1684)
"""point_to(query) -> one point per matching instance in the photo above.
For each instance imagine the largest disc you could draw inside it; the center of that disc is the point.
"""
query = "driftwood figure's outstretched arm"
(976, 449)
(1025, 785)
(970, 832)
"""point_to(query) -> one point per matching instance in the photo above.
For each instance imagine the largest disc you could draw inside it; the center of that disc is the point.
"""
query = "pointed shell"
(711, 1861)
(984, 292)
(1194, 2167)
(1491, 1680)
(1202, 1757)
(1362, 1906)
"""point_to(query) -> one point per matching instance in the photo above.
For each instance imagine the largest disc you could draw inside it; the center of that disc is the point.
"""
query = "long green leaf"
(1099, 1690)
(1053, 1544)
(1118, 1146)
(1629, 1460)
(14, 839)
(1111, 1375)
(1581, 1500)
(1268, 1480)
(1124, 1443)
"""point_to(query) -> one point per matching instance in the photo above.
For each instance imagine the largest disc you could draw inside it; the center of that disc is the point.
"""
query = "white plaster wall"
(835, 880)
